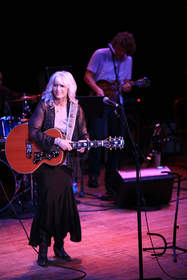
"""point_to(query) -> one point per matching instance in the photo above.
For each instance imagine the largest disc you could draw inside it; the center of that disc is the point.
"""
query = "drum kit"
(12, 184)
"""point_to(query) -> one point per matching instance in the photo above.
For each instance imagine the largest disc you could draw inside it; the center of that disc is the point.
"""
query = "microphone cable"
(151, 240)
(155, 254)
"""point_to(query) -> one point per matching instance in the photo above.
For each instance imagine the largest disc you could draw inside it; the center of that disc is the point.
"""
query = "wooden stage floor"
(109, 247)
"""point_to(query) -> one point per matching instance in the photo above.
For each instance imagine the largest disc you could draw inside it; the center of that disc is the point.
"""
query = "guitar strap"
(71, 120)
(116, 71)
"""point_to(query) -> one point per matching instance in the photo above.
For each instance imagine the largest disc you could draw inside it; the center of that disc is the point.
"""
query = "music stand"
(92, 106)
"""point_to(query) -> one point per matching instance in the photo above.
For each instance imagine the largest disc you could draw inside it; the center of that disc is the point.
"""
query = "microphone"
(111, 48)
(107, 101)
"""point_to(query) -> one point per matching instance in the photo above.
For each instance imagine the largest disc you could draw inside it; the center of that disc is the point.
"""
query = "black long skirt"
(57, 212)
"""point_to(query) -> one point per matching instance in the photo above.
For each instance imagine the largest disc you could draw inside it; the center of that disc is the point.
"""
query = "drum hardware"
(14, 187)
(155, 149)
(6, 124)
(24, 185)
(26, 110)
(25, 98)
(7, 186)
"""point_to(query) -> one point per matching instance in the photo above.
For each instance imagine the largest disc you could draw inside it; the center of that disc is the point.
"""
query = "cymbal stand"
(27, 181)
(26, 108)
(175, 227)
(82, 193)
(3, 127)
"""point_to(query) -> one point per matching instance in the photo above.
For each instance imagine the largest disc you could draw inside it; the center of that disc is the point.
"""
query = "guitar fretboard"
(115, 142)
(88, 144)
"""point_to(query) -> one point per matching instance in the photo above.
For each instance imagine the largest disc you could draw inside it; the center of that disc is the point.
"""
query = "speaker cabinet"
(155, 185)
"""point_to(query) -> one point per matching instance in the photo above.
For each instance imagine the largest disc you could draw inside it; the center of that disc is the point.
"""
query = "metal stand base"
(174, 248)
(175, 227)
(82, 193)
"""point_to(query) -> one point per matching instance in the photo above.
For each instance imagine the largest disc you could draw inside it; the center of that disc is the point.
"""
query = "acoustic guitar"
(111, 88)
(24, 156)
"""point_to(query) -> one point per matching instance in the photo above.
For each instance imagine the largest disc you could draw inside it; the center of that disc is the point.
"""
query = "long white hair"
(68, 80)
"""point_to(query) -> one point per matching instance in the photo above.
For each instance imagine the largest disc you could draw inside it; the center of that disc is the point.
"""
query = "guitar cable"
(23, 227)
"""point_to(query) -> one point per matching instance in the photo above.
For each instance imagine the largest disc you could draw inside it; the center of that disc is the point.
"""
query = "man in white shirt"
(108, 73)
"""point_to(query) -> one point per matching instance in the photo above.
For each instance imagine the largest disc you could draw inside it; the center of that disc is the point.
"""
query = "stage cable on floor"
(23, 227)
(155, 254)
(16, 214)
(102, 207)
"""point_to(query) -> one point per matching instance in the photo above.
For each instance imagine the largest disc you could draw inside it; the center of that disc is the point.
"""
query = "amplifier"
(155, 185)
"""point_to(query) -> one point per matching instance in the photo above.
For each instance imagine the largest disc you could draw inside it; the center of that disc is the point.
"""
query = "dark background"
(34, 37)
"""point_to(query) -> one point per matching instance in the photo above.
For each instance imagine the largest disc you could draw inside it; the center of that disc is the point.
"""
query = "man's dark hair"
(125, 40)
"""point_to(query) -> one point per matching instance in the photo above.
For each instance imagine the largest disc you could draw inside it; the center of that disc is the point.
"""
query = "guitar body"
(110, 88)
(16, 146)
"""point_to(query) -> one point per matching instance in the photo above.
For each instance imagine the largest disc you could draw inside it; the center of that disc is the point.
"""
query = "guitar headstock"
(114, 143)
(144, 82)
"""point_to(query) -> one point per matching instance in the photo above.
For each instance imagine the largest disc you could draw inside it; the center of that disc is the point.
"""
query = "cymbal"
(24, 120)
(26, 98)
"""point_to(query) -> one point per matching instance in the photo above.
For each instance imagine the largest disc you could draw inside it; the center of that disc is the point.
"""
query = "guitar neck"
(107, 143)
(89, 144)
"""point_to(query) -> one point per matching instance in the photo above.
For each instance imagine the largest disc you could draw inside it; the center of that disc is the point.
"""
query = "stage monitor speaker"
(155, 183)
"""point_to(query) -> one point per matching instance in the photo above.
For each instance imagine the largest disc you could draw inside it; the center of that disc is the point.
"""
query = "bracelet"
(58, 141)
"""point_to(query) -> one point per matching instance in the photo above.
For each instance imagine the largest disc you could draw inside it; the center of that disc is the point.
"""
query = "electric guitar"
(24, 156)
(111, 88)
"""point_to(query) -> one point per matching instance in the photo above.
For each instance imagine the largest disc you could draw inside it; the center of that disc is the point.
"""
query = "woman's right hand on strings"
(63, 144)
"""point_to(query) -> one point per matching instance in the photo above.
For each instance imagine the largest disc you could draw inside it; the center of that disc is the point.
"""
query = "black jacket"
(43, 119)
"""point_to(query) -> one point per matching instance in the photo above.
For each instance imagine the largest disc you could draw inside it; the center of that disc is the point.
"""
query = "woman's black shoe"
(61, 253)
(42, 255)
(42, 260)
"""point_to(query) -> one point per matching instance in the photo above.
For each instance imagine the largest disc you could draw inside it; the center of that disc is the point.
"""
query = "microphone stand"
(138, 190)
(124, 122)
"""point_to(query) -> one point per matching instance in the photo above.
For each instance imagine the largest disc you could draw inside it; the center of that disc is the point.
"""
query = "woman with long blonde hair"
(57, 213)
